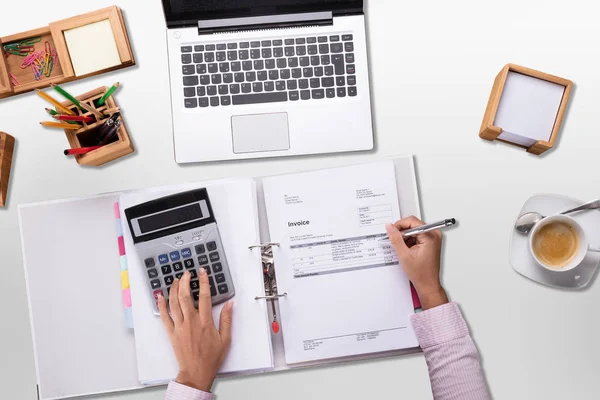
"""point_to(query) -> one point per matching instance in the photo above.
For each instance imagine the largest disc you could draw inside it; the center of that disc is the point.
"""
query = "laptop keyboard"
(268, 71)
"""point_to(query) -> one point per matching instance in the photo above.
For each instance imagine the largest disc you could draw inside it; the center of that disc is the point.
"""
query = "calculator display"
(176, 216)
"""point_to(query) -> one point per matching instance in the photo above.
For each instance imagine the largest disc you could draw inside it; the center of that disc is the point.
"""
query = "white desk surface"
(433, 65)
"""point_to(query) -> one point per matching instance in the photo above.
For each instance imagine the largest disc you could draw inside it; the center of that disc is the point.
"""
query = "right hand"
(420, 259)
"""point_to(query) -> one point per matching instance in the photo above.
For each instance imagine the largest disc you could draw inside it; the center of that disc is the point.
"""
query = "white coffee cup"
(584, 245)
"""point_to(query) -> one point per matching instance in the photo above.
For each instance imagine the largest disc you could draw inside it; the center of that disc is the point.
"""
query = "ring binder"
(270, 280)
(263, 245)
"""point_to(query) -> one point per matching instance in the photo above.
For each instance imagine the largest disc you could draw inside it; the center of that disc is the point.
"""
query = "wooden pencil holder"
(7, 145)
(83, 136)
(526, 108)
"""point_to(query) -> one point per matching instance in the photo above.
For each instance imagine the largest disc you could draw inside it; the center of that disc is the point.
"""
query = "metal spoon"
(527, 221)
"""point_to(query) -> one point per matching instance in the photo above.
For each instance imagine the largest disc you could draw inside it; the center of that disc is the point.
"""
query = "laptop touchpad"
(260, 132)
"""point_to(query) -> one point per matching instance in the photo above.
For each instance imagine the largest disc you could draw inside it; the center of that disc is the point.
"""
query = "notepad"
(92, 47)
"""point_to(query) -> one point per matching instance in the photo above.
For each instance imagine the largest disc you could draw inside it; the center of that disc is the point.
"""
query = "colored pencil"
(66, 95)
(107, 94)
(62, 125)
(81, 150)
(89, 108)
(54, 102)
(53, 113)
(78, 118)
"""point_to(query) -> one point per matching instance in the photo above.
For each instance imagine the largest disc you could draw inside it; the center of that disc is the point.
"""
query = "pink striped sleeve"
(177, 391)
(451, 355)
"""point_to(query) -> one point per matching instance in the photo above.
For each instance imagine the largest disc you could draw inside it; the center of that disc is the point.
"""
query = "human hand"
(420, 260)
(199, 347)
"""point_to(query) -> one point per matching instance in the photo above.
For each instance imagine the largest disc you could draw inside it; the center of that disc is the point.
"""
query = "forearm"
(177, 391)
(451, 355)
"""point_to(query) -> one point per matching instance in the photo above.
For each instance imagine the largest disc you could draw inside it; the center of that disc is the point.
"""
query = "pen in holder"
(270, 280)
(87, 134)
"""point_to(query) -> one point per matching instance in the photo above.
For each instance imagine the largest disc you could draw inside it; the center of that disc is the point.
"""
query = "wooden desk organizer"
(489, 131)
(63, 70)
(77, 138)
(7, 145)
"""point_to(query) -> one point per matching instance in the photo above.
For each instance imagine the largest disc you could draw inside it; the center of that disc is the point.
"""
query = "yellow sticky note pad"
(92, 47)
(124, 280)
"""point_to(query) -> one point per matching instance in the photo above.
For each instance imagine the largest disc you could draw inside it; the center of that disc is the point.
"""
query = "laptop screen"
(188, 12)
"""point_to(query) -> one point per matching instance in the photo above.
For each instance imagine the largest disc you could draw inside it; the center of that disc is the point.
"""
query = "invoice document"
(346, 293)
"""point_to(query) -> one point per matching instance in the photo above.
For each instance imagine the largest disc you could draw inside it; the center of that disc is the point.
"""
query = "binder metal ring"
(274, 297)
(263, 245)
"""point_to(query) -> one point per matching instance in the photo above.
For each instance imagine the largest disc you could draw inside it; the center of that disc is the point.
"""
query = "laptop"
(267, 78)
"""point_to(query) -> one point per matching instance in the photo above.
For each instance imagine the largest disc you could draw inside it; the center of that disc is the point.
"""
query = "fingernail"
(230, 303)
(202, 271)
(389, 227)
(186, 273)
(160, 296)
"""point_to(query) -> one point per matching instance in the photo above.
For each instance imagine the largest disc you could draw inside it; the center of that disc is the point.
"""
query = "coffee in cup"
(556, 244)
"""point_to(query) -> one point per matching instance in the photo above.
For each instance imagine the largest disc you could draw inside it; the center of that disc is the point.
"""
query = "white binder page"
(346, 293)
(235, 209)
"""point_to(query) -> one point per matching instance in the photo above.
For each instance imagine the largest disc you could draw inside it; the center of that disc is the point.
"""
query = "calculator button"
(211, 246)
(186, 253)
(213, 291)
(152, 273)
(196, 295)
(211, 282)
(174, 255)
(163, 259)
(220, 278)
(179, 275)
(200, 249)
(207, 269)
(155, 283)
(214, 257)
(194, 285)
(166, 269)
(168, 280)
(223, 288)
(149, 262)
(189, 263)
(178, 266)
(202, 260)
(217, 267)
(193, 274)
(156, 293)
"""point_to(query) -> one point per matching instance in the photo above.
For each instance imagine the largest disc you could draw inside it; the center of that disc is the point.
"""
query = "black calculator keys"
(149, 262)
(152, 273)
(202, 260)
(166, 269)
(217, 267)
(223, 288)
(194, 285)
(214, 257)
(213, 289)
(196, 295)
(169, 280)
(179, 275)
(174, 255)
(178, 266)
(200, 249)
(220, 278)
(186, 253)
(211, 246)
(189, 263)
(193, 274)
(163, 258)
(155, 283)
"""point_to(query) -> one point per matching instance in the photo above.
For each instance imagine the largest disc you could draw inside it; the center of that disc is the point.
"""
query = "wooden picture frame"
(7, 146)
(490, 132)
(112, 151)
(63, 70)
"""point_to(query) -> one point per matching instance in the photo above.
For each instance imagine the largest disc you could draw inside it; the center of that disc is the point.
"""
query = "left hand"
(199, 347)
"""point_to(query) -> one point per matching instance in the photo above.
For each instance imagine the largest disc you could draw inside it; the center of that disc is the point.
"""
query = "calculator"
(179, 233)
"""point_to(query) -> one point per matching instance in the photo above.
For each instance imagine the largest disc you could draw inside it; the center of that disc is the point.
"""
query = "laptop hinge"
(264, 22)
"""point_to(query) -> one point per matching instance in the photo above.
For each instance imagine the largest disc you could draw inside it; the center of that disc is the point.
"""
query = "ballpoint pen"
(426, 228)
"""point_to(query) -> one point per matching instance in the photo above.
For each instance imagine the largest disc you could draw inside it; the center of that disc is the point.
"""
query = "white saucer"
(523, 262)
